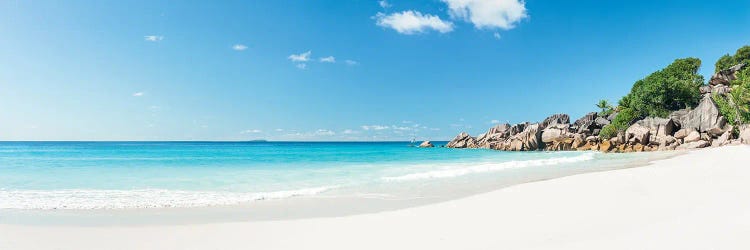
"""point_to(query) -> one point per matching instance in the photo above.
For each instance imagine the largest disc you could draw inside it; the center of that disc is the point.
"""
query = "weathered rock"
(637, 134)
(601, 121)
(722, 140)
(426, 144)
(493, 135)
(605, 146)
(682, 133)
(692, 137)
(585, 124)
(726, 75)
(555, 119)
(555, 132)
(721, 89)
(694, 145)
(463, 140)
(560, 144)
(592, 138)
(578, 141)
(638, 147)
(705, 89)
(745, 134)
(528, 140)
(657, 127)
(704, 117)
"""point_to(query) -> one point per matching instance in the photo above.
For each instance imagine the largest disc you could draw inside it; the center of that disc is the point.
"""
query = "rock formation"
(689, 128)
(426, 144)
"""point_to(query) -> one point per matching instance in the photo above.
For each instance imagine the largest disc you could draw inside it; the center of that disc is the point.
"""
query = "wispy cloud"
(350, 132)
(251, 131)
(384, 4)
(239, 47)
(324, 132)
(495, 121)
(279, 130)
(374, 127)
(301, 66)
(351, 62)
(496, 35)
(412, 22)
(488, 14)
(302, 57)
(328, 59)
(138, 94)
(153, 38)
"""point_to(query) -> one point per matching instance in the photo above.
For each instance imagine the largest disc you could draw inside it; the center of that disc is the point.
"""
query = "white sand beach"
(699, 200)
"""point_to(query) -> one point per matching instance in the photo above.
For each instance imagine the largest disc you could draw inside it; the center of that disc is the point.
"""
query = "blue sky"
(333, 70)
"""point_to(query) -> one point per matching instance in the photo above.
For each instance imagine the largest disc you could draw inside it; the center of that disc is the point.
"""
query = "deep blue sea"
(122, 175)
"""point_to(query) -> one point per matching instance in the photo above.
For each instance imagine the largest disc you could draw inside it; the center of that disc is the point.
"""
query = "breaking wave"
(141, 198)
(490, 167)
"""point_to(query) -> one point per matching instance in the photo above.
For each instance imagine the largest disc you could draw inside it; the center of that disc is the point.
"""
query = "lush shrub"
(672, 88)
(622, 121)
(736, 106)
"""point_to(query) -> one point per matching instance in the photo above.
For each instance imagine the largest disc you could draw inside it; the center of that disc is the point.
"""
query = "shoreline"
(294, 208)
(678, 202)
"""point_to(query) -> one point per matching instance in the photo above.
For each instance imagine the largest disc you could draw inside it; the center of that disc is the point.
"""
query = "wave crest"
(490, 167)
(140, 198)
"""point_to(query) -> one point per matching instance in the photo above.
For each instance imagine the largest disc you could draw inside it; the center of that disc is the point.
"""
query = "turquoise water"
(117, 175)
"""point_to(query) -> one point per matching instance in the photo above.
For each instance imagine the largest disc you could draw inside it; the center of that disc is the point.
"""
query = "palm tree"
(604, 105)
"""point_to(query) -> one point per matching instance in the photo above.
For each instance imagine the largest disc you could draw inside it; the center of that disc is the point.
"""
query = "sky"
(334, 70)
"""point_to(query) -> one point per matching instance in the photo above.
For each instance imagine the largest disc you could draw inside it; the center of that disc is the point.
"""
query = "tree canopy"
(672, 88)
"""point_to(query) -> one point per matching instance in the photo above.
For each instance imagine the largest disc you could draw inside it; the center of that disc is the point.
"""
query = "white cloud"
(251, 131)
(394, 127)
(324, 132)
(153, 38)
(374, 127)
(303, 57)
(496, 35)
(279, 130)
(488, 14)
(413, 22)
(329, 59)
(301, 66)
(239, 47)
(351, 62)
(350, 132)
(138, 94)
(384, 4)
(495, 121)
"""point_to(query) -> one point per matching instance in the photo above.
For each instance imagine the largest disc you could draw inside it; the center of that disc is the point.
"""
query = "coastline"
(692, 201)
(326, 205)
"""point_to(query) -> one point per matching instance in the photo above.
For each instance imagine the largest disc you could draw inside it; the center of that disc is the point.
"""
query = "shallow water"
(148, 176)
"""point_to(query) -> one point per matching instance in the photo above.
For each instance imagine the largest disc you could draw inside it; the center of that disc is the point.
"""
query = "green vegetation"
(622, 121)
(605, 107)
(735, 107)
(672, 88)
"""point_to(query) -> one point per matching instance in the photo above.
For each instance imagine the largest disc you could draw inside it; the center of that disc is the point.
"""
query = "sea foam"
(141, 198)
(490, 167)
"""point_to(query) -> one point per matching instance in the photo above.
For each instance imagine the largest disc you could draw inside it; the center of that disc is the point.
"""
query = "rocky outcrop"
(462, 140)
(693, 136)
(637, 134)
(586, 124)
(493, 135)
(703, 118)
(723, 77)
(528, 140)
(694, 145)
(555, 119)
(745, 134)
(426, 144)
(658, 128)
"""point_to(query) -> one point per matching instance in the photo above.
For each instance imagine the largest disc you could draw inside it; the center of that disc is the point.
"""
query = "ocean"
(144, 175)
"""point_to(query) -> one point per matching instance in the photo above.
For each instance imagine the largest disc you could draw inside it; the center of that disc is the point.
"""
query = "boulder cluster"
(699, 127)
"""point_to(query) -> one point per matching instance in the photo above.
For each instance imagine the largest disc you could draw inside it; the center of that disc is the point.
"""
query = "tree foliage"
(672, 88)
(622, 121)
(736, 106)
